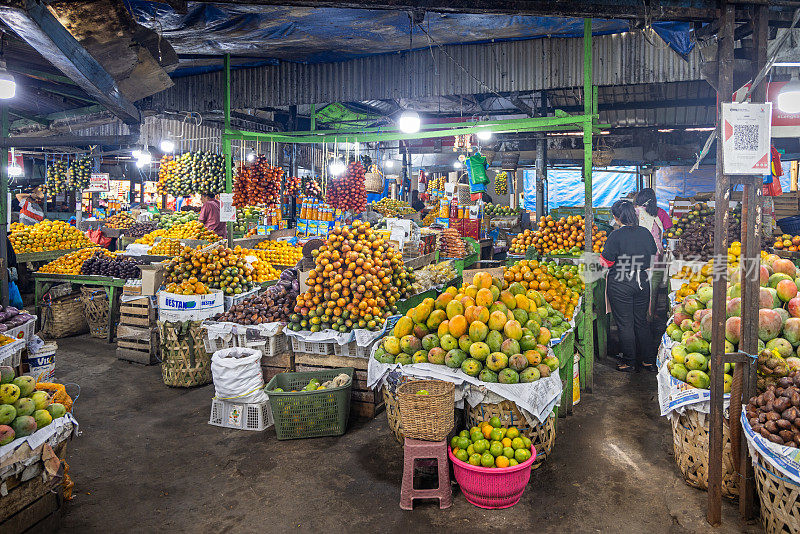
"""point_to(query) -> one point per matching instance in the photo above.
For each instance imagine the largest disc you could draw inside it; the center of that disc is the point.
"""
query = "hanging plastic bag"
(14, 297)
(237, 375)
(477, 167)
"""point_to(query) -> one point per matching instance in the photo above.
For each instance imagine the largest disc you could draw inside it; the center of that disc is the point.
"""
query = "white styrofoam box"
(174, 307)
(11, 354)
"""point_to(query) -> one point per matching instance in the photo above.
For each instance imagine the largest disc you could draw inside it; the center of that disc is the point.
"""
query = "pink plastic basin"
(491, 487)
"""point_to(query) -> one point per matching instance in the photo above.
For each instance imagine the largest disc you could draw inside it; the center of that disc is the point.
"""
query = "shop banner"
(676, 396)
(98, 182)
(785, 459)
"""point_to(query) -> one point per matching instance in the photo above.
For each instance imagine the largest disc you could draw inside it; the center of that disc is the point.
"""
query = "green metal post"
(313, 117)
(226, 142)
(4, 208)
(588, 109)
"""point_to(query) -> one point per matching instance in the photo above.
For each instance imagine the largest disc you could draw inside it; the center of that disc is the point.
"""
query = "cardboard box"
(174, 307)
(152, 278)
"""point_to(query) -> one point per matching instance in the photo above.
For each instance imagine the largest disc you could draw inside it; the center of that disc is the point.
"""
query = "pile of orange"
(561, 286)
(565, 233)
(263, 270)
(521, 242)
(68, 263)
(787, 242)
(280, 252)
(188, 287)
(220, 268)
(46, 235)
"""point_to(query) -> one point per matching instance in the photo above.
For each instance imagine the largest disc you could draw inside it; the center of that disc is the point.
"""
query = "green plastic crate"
(309, 414)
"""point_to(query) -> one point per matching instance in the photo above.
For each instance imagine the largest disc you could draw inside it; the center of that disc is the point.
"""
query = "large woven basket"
(427, 417)
(64, 317)
(690, 438)
(373, 182)
(780, 499)
(393, 414)
(95, 309)
(184, 360)
(542, 436)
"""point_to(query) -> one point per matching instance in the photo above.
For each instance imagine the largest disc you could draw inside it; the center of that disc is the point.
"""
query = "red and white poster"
(746, 137)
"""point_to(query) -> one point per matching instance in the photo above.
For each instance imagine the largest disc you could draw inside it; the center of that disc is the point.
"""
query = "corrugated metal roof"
(620, 59)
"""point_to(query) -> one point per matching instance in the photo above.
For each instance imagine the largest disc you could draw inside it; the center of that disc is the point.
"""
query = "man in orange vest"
(30, 210)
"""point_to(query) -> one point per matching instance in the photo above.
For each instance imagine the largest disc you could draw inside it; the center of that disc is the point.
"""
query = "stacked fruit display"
(263, 270)
(775, 413)
(787, 242)
(430, 218)
(68, 263)
(695, 232)
(105, 263)
(187, 287)
(79, 173)
(495, 210)
(166, 247)
(120, 221)
(312, 187)
(778, 326)
(356, 281)
(220, 268)
(192, 172)
(565, 236)
(501, 183)
(433, 275)
(493, 333)
(293, 186)
(274, 305)
(348, 193)
(694, 276)
(11, 317)
(140, 229)
(392, 208)
(188, 230)
(56, 178)
(24, 409)
(560, 285)
(451, 245)
(46, 235)
(170, 219)
(150, 239)
(491, 445)
(280, 252)
(521, 242)
(247, 216)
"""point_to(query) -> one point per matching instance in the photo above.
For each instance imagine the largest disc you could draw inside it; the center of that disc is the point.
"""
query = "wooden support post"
(725, 93)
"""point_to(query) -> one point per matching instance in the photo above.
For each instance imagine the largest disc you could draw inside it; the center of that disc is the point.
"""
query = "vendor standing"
(628, 253)
(209, 215)
(30, 206)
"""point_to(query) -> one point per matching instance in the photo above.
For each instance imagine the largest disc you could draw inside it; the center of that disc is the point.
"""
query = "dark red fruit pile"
(348, 192)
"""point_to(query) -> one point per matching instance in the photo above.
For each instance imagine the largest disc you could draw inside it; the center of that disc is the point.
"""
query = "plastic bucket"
(489, 487)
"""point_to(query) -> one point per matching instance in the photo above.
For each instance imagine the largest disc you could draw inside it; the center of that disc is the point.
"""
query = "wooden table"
(113, 287)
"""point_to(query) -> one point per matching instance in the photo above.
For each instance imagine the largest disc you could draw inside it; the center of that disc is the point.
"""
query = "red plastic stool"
(414, 450)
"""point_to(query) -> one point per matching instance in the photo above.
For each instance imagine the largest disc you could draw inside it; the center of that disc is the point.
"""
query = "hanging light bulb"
(409, 121)
(136, 153)
(484, 135)
(144, 159)
(251, 157)
(167, 146)
(8, 87)
(457, 164)
(389, 163)
(789, 96)
(337, 167)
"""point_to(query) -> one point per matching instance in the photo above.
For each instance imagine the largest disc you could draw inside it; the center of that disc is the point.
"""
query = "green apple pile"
(23, 408)
(487, 332)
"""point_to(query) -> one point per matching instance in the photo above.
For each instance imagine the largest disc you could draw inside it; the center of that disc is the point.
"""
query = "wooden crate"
(139, 312)
(278, 364)
(365, 403)
(138, 345)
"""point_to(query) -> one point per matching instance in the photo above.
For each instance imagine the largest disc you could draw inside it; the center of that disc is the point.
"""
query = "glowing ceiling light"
(409, 121)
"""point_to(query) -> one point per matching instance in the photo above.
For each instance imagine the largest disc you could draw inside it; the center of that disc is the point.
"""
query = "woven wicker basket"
(427, 417)
(690, 438)
(184, 360)
(63, 317)
(542, 436)
(393, 414)
(780, 499)
(373, 182)
(95, 309)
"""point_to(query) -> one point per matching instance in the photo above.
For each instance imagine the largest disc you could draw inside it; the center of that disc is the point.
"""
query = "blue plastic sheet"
(330, 34)
(565, 186)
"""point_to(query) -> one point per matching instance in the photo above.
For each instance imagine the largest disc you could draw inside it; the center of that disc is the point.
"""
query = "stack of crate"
(137, 333)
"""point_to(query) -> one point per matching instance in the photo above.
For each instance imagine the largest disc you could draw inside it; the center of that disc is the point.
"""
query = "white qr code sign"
(746, 136)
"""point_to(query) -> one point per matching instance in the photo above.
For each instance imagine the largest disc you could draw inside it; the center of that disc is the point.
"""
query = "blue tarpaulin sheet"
(565, 186)
(318, 35)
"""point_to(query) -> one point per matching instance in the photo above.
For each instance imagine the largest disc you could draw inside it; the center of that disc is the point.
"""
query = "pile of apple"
(778, 326)
(23, 408)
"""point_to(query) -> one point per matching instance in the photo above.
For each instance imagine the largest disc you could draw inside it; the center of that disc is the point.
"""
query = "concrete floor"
(148, 461)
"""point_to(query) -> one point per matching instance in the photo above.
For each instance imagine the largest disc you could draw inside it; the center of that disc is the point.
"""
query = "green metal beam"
(226, 141)
(77, 112)
(29, 116)
(589, 107)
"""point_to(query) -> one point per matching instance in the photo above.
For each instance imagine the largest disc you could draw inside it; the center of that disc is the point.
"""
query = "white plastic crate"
(231, 300)
(24, 331)
(298, 345)
(240, 415)
(352, 350)
(269, 346)
(11, 354)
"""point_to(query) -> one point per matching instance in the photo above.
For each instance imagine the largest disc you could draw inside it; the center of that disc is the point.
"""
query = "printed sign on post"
(98, 182)
(227, 213)
(746, 138)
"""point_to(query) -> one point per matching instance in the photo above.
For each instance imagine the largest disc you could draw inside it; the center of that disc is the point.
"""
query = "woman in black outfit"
(628, 253)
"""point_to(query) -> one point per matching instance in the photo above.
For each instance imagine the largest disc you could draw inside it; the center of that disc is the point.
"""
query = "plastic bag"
(237, 375)
(14, 297)
(477, 168)
(97, 236)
